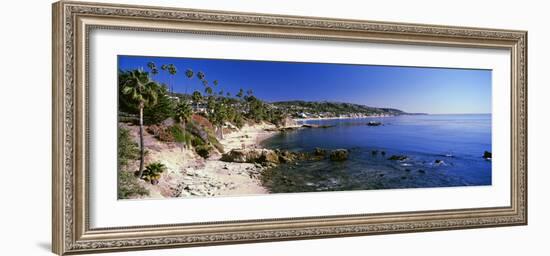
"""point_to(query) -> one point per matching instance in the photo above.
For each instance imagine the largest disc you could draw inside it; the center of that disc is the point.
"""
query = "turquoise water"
(442, 151)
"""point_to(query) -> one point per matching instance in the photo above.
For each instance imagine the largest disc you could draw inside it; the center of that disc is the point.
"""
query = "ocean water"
(442, 151)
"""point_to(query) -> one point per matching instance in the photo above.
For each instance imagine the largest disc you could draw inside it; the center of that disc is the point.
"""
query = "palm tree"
(182, 114)
(240, 94)
(200, 75)
(153, 68)
(172, 70)
(246, 99)
(164, 67)
(144, 92)
(219, 115)
(208, 90)
(197, 97)
(189, 74)
(216, 83)
(153, 172)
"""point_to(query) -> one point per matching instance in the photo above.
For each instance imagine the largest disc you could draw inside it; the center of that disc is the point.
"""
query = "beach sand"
(190, 175)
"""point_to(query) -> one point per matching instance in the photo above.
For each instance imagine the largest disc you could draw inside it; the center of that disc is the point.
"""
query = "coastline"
(337, 118)
(190, 175)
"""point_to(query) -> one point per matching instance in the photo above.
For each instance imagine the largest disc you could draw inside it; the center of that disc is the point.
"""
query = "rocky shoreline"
(271, 158)
(238, 171)
(189, 174)
(240, 168)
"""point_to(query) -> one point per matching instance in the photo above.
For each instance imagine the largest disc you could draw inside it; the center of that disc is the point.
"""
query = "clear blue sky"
(411, 89)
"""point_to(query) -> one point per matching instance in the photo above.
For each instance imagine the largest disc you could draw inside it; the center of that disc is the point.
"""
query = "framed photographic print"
(178, 127)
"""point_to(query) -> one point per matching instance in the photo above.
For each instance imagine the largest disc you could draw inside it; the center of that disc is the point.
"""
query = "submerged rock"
(339, 155)
(284, 129)
(316, 126)
(319, 152)
(286, 156)
(268, 156)
(398, 158)
(439, 162)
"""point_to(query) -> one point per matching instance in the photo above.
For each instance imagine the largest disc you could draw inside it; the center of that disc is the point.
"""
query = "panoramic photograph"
(190, 127)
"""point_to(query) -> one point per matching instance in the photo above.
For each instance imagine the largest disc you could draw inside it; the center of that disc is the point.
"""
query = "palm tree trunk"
(142, 147)
(184, 143)
(185, 134)
(221, 131)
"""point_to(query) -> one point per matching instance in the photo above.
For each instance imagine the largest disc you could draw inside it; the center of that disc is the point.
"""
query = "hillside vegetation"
(300, 109)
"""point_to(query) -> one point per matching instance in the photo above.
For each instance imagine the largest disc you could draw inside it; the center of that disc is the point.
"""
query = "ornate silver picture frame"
(72, 24)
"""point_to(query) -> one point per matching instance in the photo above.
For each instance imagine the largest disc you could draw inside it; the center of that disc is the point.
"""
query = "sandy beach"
(190, 175)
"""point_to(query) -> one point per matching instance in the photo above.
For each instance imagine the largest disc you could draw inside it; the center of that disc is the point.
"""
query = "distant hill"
(305, 109)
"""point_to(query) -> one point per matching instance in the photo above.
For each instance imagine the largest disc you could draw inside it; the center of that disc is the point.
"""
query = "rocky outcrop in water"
(288, 122)
(287, 156)
(268, 157)
(339, 155)
(251, 156)
(320, 152)
(316, 126)
(398, 158)
(439, 162)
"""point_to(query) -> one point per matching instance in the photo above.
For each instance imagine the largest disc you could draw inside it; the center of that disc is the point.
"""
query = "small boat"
(374, 123)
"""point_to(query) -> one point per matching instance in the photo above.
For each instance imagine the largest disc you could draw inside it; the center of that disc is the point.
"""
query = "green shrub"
(203, 151)
(128, 186)
(214, 142)
(238, 121)
(128, 150)
(180, 135)
(197, 130)
(196, 141)
(160, 111)
(153, 171)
